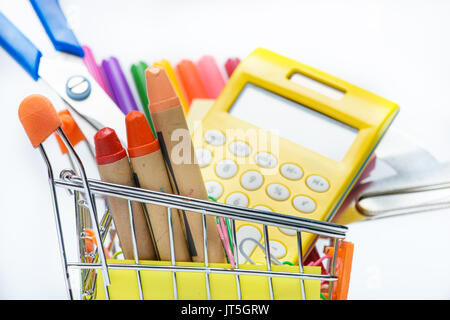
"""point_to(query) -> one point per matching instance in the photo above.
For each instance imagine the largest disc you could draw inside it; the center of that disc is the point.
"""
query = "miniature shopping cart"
(103, 277)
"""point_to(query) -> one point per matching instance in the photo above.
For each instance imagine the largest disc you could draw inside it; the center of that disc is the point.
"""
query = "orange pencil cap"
(71, 129)
(141, 140)
(191, 80)
(160, 92)
(38, 118)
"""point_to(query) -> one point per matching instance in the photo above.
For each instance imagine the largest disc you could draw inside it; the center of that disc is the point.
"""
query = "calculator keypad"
(294, 186)
(317, 183)
(252, 180)
(277, 249)
(278, 192)
(226, 169)
(304, 204)
(204, 157)
(214, 189)
(265, 160)
(239, 148)
(291, 171)
(237, 199)
(214, 137)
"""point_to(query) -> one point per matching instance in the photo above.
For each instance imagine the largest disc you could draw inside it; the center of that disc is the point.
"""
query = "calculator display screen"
(293, 121)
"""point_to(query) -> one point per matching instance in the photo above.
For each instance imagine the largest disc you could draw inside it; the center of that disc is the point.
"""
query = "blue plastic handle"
(55, 24)
(19, 47)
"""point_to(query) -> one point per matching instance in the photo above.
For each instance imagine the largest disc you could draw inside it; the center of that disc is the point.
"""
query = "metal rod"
(236, 258)
(135, 249)
(333, 268)
(205, 254)
(211, 208)
(79, 225)
(250, 272)
(172, 252)
(90, 202)
(300, 263)
(57, 222)
(268, 260)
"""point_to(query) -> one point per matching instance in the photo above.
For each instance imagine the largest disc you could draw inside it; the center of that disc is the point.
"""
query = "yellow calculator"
(287, 138)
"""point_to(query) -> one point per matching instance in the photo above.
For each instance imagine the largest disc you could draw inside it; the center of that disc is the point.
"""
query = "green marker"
(138, 72)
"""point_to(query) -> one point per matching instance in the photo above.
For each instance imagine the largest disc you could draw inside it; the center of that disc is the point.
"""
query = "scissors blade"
(97, 110)
(408, 179)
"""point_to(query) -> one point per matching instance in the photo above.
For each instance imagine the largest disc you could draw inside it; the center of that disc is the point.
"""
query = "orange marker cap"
(141, 140)
(38, 118)
(71, 130)
(160, 92)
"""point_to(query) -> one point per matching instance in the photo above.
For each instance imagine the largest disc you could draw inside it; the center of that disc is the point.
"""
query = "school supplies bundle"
(222, 184)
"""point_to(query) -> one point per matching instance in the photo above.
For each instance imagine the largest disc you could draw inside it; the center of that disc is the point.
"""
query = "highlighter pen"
(138, 72)
(211, 76)
(114, 167)
(175, 84)
(148, 165)
(190, 80)
(231, 64)
(170, 123)
(119, 85)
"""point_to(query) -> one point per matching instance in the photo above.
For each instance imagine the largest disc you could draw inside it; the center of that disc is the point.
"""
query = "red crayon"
(114, 167)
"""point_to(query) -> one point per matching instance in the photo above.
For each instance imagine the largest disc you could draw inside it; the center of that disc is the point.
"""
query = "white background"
(397, 49)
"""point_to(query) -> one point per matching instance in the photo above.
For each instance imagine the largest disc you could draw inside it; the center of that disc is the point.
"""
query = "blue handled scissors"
(64, 72)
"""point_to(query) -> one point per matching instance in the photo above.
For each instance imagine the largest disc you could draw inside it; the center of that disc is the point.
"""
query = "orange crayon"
(186, 178)
(148, 164)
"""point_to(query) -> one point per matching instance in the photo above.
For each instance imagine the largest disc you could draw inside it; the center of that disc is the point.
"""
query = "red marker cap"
(108, 148)
(231, 64)
(141, 140)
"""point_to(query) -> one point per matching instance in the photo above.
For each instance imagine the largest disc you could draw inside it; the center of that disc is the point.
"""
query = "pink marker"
(211, 76)
(231, 64)
(94, 69)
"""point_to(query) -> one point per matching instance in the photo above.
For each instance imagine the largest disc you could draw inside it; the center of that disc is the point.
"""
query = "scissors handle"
(19, 47)
(56, 26)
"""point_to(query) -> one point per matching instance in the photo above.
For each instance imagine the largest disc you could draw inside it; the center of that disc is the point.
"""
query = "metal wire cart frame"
(96, 271)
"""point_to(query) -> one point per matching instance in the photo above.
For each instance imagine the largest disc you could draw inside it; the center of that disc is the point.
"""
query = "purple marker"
(118, 84)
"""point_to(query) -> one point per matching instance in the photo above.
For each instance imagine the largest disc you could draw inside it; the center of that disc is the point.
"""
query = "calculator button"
(304, 204)
(278, 191)
(264, 208)
(291, 171)
(246, 237)
(265, 160)
(214, 189)
(317, 183)
(214, 137)
(288, 232)
(252, 180)
(240, 148)
(277, 249)
(226, 169)
(204, 157)
(237, 199)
